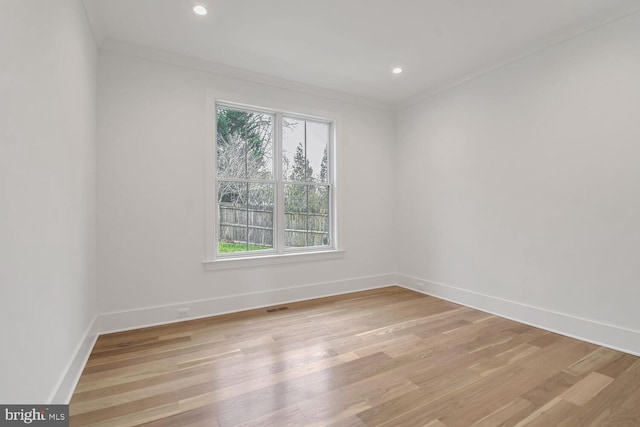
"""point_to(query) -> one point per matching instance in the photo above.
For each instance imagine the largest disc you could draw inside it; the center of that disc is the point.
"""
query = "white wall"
(524, 184)
(47, 193)
(152, 137)
(521, 186)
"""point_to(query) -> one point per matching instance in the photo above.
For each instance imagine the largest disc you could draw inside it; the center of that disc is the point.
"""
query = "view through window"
(274, 182)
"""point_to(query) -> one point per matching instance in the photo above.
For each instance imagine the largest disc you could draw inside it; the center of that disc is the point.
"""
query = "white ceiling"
(351, 45)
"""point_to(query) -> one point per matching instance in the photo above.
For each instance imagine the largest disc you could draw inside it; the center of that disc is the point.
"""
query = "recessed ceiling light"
(199, 10)
(397, 70)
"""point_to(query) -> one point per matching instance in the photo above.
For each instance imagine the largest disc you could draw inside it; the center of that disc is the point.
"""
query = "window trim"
(272, 259)
(279, 254)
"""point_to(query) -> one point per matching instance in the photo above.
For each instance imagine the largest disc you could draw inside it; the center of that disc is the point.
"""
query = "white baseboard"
(611, 336)
(66, 385)
(615, 337)
(151, 316)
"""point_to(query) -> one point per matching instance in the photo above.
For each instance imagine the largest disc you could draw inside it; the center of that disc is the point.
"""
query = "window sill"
(257, 261)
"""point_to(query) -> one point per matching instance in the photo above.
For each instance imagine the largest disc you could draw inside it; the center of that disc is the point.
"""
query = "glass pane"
(306, 215)
(244, 144)
(260, 146)
(316, 151)
(296, 217)
(294, 162)
(318, 215)
(232, 214)
(261, 216)
(304, 150)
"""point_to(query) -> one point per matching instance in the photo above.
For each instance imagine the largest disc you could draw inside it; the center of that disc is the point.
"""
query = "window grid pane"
(306, 215)
(260, 222)
(244, 145)
(246, 214)
(232, 214)
(305, 150)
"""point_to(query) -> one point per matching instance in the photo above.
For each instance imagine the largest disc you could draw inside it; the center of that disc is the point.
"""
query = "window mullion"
(246, 176)
(248, 189)
(306, 187)
(278, 170)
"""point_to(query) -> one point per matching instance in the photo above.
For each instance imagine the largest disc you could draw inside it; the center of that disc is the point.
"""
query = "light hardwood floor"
(386, 357)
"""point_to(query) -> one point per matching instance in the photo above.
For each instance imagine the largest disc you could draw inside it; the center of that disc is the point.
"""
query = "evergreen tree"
(255, 129)
(302, 170)
(323, 167)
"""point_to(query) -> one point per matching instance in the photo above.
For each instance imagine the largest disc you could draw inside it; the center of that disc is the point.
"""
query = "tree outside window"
(253, 193)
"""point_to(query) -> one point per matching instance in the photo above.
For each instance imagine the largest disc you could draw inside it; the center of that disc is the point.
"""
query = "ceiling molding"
(197, 64)
(490, 61)
(565, 35)
(94, 15)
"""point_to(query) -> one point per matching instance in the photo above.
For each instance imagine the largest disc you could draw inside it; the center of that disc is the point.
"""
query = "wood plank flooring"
(386, 357)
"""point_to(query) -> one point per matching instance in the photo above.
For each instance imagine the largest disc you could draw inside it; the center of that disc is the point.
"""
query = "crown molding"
(565, 35)
(197, 64)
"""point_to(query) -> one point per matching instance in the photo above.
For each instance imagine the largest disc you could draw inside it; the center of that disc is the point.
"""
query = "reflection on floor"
(386, 357)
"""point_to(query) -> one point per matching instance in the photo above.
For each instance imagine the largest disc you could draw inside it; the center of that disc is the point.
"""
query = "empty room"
(330, 213)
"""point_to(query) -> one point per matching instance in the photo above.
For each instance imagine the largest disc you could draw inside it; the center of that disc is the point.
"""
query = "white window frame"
(279, 254)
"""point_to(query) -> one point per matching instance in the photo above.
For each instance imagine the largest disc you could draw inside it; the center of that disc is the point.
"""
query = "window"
(274, 183)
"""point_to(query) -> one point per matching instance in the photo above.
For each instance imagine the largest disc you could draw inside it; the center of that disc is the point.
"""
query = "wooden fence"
(301, 229)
